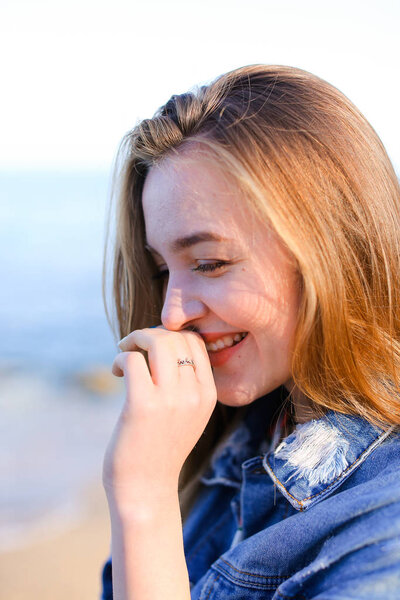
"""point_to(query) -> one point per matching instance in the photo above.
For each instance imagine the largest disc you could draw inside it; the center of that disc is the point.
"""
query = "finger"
(126, 343)
(195, 351)
(164, 348)
(187, 372)
(132, 366)
(117, 365)
(198, 352)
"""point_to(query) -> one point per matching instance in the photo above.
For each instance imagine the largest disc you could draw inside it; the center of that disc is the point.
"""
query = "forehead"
(188, 192)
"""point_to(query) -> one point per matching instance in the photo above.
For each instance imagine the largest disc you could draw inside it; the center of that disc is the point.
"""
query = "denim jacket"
(316, 517)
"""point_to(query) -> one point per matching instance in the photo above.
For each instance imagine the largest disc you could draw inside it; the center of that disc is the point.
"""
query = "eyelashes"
(202, 268)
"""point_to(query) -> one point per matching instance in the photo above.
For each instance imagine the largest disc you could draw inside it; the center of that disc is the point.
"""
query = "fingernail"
(121, 341)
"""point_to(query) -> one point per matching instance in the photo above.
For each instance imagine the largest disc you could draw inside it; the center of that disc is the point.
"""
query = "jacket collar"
(320, 455)
(313, 461)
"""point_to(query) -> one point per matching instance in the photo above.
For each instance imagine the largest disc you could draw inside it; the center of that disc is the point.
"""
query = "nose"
(180, 308)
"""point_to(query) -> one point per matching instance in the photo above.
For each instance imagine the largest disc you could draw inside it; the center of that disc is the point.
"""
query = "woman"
(258, 221)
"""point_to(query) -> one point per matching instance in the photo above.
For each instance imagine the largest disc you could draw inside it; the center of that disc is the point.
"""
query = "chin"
(236, 397)
(241, 394)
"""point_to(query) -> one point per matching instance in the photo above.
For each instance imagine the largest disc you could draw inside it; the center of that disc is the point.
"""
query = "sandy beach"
(66, 564)
(54, 521)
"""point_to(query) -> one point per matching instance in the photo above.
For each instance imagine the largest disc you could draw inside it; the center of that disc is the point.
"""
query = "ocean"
(58, 400)
(52, 229)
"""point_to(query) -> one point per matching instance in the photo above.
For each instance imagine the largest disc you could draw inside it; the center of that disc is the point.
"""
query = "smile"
(225, 342)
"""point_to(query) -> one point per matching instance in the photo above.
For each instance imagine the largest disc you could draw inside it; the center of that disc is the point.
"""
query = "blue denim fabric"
(317, 517)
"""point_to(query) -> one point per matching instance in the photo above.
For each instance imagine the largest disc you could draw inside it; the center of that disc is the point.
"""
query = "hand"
(166, 410)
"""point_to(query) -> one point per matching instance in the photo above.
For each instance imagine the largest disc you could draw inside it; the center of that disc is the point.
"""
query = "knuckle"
(174, 335)
(135, 333)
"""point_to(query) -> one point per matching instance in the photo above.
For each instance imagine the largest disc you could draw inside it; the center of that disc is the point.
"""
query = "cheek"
(269, 306)
(247, 307)
(284, 311)
(236, 303)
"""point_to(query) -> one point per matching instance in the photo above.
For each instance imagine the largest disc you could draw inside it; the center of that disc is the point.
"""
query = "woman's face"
(226, 275)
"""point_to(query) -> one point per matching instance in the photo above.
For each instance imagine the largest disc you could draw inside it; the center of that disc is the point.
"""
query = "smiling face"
(226, 275)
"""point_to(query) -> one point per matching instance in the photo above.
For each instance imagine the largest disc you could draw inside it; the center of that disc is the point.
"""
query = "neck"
(302, 406)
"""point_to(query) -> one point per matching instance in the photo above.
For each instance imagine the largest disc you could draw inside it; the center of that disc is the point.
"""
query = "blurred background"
(75, 76)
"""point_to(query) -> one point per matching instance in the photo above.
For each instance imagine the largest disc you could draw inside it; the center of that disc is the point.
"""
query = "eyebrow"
(191, 240)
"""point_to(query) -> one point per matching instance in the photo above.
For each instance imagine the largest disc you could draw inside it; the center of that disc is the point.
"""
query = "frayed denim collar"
(320, 455)
(308, 465)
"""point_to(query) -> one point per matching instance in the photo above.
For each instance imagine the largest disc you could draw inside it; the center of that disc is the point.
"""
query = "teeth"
(228, 340)
(225, 342)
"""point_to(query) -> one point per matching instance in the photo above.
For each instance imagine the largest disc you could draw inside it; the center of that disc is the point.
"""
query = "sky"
(76, 75)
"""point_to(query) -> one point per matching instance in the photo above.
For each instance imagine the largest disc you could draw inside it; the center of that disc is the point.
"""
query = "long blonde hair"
(311, 166)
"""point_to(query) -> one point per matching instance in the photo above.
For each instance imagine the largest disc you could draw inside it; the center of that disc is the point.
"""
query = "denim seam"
(250, 585)
(212, 583)
(375, 442)
(277, 480)
(253, 574)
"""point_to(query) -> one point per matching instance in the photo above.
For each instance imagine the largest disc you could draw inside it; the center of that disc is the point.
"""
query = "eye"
(202, 268)
(212, 266)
